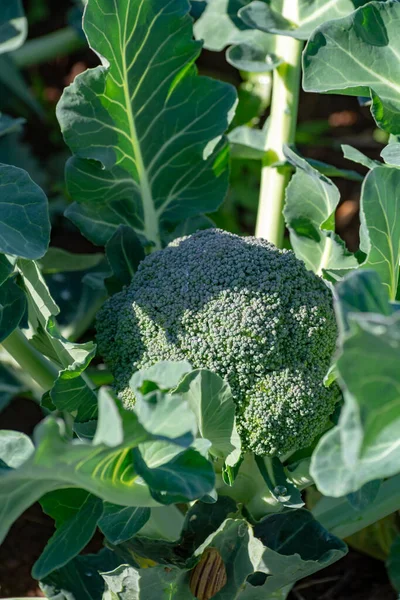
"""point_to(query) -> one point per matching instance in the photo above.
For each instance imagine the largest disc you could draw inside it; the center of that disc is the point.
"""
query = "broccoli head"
(243, 309)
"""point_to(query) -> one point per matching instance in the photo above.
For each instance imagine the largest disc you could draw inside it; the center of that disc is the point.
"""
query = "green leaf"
(254, 57)
(185, 477)
(391, 154)
(120, 523)
(24, 218)
(13, 26)
(6, 268)
(12, 308)
(210, 399)
(165, 375)
(219, 25)
(57, 260)
(275, 551)
(279, 484)
(70, 538)
(247, 142)
(356, 56)
(310, 14)
(15, 448)
(80, 579)
(145, 132)
(358, 157)
(157, 583)
(71, 391)
(393, 564)
(311, 201)
(62, 505)
(380, 227)
(109, 467)
(106, 471)
(364, 446)
(365, 496)
(201, 521)
(361, 292)
(124, 253)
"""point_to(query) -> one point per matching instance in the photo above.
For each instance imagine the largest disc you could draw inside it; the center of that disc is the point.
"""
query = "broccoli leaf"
(339, 57)
(145, 129)
(311, 201)
(13, 25)
(24, 217)
(308, 14)
(106, 467)
(364, 446)
(380, 226)
(210, 398)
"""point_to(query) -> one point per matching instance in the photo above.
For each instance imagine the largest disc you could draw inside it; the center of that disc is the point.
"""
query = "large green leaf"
(24, 218)
(358, 56)
(273, 553)
(145, 129)
(307, 15)
(364, 446)
(13, 25)
(109, 466)
(380, 225)
(311, 201)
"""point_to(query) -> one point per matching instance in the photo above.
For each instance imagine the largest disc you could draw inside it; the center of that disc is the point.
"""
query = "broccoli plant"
(248, 423)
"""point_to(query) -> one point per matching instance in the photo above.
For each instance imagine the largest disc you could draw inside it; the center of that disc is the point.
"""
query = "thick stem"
(338, 516)
(47, 47)
(282, 129)
(30, 360)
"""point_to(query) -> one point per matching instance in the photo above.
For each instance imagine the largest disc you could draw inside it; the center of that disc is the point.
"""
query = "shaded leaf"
(12, 308)
(24, 219)
(339, 57)
(120, 523)
(70, 538)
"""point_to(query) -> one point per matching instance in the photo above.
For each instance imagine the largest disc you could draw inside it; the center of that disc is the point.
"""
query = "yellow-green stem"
(30, 360)
(282, 129)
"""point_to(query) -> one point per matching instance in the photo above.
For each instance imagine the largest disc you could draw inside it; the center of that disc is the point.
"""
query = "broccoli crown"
(243, 309)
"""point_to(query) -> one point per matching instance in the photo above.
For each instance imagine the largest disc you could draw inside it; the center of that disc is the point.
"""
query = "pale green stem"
(338, 516)
(30, 360)
(281, 131)
(46, 48)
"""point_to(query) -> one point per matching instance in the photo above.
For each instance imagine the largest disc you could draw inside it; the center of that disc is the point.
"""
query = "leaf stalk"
(30, 360)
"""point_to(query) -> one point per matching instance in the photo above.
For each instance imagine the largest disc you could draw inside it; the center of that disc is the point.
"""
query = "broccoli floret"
(243, 309)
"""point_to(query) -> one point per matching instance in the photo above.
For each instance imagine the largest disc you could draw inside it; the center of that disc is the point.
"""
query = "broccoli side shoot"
(243, 309)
